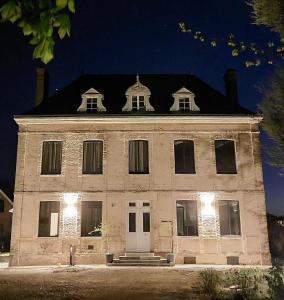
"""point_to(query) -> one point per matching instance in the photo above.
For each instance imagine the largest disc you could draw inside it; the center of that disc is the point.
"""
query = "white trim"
(116, 119)
(181, 94)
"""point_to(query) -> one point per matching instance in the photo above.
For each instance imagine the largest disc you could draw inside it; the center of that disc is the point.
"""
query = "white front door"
(138, 227)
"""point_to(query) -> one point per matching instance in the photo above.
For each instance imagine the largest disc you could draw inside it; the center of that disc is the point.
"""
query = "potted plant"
(171, 258)
(103, 229)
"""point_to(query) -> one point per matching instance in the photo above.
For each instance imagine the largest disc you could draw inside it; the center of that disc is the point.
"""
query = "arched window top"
(138, 96)
(92, 102)
(184, 101)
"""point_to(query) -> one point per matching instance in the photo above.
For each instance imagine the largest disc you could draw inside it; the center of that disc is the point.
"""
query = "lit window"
(184, 157)
(51, 157)
(138, 103)
(225, 157)
(138, 157)
(187, 224)
(92, 104)
(93, 157)
(184, 104)
(91, 218)
(48, 218)
(229, 215)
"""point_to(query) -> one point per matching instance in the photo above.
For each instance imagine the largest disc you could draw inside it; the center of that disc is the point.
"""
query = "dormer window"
(92, 105)
(184, 104)
(92, 102)
(138, 103)
(184, 101)
(138, 96)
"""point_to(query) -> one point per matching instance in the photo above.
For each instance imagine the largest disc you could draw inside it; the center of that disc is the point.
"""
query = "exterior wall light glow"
(70, 209)
(207, 200)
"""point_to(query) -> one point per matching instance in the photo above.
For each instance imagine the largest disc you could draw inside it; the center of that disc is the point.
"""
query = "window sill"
(226, 174)
(91, 174)
(47, 237)
(90, 237)
(189, 236)
(231, 237)
(51, 175)
(138, 173)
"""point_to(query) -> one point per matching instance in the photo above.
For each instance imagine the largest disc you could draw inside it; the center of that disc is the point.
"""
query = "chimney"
(231, 86)
(41, 85)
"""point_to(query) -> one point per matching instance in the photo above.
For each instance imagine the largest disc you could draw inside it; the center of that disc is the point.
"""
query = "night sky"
(130, 37)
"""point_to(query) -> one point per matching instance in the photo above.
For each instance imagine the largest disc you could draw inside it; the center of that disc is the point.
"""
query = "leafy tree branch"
(41, 20)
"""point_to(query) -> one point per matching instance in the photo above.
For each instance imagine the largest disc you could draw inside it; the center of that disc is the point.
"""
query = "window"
(132, 222)
(2, 206)
(91, 218)
(93, 157)
(138, 157)
(51, 157)
(48, 218)
(225, 157)
(92, 104)
(138, 103)
(229, 215)
(184, 104)
(184, 157)
(187, 224)
(1, 230)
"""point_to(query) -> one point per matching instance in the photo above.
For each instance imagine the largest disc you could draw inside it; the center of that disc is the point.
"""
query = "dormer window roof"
(92, 102)
(137, 96)
(184, 101)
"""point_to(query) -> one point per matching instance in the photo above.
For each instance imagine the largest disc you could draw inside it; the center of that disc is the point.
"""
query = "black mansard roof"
(162, 86)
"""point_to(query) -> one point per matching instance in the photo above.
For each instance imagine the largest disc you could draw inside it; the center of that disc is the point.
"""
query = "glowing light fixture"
(207, 200)
(70, 200)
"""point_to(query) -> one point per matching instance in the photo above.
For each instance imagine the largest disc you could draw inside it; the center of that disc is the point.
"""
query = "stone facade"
(161, 187)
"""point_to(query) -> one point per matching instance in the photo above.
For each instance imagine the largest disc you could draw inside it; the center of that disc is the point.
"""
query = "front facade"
(187, 181)
(6, 206)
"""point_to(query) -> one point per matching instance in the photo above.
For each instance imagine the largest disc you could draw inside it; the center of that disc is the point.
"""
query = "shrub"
(210, 284)
(247, 284)
(275, 280)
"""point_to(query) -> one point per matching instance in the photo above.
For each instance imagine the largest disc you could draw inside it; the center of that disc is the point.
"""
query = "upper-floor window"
(229, 215)
(51, 157)
(2, 206)
(138, 157)
(184, 101)
(184, 157)
(48, 218)
(138, 98)
(91, 218)
(138, 103)
(93, 157)
(187, 223)
(92, 104)
(225, 157)
(184, 104)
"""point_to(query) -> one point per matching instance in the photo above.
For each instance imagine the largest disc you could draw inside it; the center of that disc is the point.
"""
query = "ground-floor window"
(187, 223)
(229, 215)
(48, 218)
(91, 218)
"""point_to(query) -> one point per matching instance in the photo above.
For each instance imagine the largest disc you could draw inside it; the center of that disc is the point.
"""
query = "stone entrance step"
(140, 259)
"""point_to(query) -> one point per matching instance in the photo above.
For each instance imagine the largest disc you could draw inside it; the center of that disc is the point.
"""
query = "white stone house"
(165, 163)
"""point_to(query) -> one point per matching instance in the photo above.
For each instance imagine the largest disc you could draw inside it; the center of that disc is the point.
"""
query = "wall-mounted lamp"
(70, 200)
(207, 200)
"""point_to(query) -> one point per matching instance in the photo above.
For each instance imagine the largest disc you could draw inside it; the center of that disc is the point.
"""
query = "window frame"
(61, 162)
(182, 102)
(81, 218)
(102, 158)
(235, 153)
(147, 172)
(91, 101)
(240, 222)
(197, 235)
(58, 224)
(194, 156)
(138, 102)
